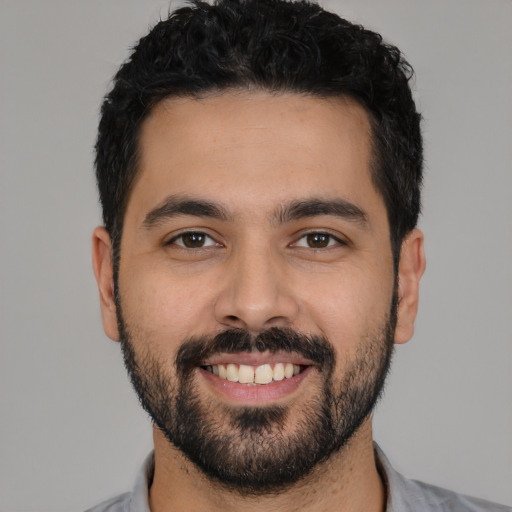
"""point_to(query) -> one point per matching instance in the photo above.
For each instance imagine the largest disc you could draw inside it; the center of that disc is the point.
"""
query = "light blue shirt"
(404, 495)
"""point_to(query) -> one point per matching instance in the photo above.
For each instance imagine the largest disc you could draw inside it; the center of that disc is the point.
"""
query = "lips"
(255, 378)
(244, 369)
(254, 393)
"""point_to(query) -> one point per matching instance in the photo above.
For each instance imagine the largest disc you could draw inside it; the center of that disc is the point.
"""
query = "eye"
(193, 240)
(318, 241)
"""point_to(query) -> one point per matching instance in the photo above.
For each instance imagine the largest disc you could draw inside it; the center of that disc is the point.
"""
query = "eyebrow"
(174, 206)
(315, 207)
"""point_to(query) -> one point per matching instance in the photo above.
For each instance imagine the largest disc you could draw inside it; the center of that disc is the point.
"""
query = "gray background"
(71, 432)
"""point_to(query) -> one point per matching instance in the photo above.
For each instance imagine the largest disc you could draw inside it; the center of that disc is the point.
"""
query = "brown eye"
(193, 240)
(318, 240)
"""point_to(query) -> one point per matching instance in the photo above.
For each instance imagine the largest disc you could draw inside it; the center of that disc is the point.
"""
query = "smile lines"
(263, 374)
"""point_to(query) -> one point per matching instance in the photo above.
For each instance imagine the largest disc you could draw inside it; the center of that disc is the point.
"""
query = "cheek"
(347, 305)
(162, 310)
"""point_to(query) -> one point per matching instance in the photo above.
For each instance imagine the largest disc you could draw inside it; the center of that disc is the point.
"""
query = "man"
(259, 166)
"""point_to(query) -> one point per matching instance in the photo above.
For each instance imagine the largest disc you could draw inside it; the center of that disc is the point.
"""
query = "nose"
(256, 294)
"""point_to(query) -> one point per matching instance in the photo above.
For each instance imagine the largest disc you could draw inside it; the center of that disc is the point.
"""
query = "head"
(259, 166)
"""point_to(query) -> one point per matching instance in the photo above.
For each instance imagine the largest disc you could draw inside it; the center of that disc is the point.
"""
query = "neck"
(347, 481)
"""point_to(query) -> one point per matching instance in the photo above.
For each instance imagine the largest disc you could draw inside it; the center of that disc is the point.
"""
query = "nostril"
(234, 322)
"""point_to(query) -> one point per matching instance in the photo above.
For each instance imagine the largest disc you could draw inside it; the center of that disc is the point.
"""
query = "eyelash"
(173, 240)
(330, 238)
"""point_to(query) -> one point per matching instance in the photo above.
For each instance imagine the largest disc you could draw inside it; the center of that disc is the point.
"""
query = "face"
(255, 287)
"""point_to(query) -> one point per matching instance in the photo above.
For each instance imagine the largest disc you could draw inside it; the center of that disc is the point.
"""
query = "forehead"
(254, 150)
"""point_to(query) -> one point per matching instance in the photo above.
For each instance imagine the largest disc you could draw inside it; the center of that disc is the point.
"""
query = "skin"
(251, 153)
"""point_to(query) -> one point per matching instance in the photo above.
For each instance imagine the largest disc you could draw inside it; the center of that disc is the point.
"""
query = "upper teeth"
(262, 374)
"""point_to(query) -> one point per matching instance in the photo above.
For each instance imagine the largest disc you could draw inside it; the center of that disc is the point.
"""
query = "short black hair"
(271, 45)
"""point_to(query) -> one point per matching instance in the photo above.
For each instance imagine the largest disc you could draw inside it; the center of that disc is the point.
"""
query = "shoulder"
(138, 499)
(405, 495)
(118, 504)
(430, 497)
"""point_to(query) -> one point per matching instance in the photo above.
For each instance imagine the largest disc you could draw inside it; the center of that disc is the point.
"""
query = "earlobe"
(411, 268)
(104, 272)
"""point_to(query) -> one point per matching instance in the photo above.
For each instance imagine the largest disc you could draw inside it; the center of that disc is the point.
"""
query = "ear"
(104, 272)
(410, 270)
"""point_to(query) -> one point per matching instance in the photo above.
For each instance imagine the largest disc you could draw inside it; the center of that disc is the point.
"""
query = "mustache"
(195, 351)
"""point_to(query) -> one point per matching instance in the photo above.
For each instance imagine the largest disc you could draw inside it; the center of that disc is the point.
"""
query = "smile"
(256, 378)
(257, 375)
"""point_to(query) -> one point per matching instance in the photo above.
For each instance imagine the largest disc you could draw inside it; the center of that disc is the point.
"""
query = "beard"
(260, 449)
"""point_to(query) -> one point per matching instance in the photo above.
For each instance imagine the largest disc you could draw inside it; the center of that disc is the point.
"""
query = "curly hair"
(272, 45)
